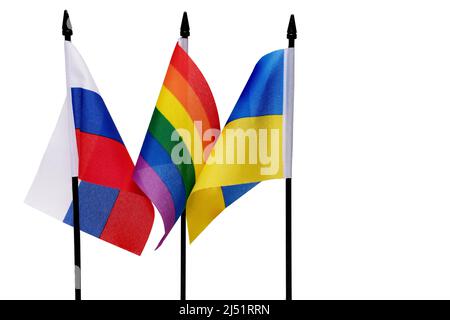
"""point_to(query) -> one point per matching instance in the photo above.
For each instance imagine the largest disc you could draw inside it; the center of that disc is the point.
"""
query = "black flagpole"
(184, 33)
(67, 33)
(291, 36)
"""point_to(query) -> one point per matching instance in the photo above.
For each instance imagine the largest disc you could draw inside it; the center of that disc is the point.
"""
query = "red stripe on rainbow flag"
(189, 70)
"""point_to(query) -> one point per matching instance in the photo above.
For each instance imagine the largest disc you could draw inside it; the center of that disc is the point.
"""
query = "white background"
(371, 157)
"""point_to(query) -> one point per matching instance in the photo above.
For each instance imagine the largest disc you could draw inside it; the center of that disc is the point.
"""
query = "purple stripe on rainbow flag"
(152, 185)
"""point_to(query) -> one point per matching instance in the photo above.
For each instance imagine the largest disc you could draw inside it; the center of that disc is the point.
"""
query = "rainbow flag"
(87, 144)
(255, 144)
(182, 130)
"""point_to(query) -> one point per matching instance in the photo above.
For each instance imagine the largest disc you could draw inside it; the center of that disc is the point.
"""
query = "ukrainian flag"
(255, 144)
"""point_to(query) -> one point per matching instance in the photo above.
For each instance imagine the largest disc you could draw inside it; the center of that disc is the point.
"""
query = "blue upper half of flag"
(263, 93)
(91, 114)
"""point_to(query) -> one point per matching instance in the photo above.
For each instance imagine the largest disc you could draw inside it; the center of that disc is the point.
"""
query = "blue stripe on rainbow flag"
(96, 204)
(265, 84)
(91, 115)
(160, 161)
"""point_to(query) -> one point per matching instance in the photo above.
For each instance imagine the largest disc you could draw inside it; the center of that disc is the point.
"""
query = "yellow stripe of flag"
(177, 115)
(235, 159)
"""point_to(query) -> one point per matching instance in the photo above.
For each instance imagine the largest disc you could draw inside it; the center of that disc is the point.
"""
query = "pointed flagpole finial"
(291, 31)
(184, 30)
(67, 27)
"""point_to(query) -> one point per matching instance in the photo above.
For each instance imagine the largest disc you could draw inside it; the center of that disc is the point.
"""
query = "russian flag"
(87, 144)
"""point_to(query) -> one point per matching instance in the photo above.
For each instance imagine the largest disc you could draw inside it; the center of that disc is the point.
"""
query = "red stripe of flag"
(189, 70)
(105, 162)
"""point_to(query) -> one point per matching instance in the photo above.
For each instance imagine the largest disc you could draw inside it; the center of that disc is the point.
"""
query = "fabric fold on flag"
(87, 144)
(254, 145)
(182, 130)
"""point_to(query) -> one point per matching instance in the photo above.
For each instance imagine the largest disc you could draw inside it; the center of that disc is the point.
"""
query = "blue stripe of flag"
(96, 203)
(263, 93)
(91, 115)
(232, 193)
(160, 161)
